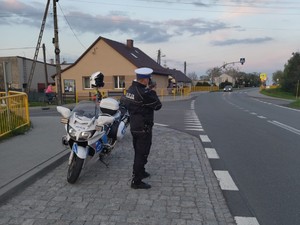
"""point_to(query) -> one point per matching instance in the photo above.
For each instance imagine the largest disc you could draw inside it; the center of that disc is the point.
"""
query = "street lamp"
(242, 61)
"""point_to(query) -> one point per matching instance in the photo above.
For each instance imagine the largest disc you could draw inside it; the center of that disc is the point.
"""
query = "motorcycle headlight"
(72, 132)
(80, 136)
(85, 135)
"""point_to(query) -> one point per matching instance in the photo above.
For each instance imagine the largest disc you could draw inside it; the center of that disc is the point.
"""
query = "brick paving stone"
(184, 190)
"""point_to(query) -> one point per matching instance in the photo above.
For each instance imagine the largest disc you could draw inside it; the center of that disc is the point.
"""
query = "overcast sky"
(204, 33)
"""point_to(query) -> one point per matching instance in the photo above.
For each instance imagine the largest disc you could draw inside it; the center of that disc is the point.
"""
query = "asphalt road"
(257, 140)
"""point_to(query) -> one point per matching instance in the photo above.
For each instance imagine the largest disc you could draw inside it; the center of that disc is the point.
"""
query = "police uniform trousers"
(141, 143)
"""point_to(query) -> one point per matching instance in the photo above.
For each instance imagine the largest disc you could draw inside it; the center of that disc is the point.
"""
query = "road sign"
(263, 76)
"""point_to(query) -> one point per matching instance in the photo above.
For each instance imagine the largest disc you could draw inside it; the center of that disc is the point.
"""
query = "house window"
(69, 86)
(119, 82)
(86, 83)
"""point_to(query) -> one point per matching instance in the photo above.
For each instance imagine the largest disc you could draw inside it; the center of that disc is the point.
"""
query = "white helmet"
(96, 79)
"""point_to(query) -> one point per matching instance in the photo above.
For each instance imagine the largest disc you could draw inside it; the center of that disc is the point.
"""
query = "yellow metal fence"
(205, 88)
(14, 111)
(162, 93)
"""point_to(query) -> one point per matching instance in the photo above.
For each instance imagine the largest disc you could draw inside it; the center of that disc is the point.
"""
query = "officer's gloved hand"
(152, 84)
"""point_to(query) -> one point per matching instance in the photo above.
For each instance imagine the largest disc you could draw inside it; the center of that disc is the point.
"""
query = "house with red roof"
(117, 61)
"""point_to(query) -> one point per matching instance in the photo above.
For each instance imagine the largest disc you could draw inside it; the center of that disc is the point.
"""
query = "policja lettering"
(130, 96)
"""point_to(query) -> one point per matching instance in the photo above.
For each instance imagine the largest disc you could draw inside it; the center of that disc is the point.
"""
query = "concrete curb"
(21, 182)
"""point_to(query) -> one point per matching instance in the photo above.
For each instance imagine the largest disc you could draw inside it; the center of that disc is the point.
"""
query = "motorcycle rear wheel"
(74, 169)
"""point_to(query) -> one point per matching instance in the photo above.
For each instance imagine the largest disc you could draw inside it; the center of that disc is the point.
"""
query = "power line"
(206, 9)
(5, 49)
(71, 27)
(194, 3)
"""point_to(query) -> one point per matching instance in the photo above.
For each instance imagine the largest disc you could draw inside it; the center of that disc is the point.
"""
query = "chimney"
(129, 43)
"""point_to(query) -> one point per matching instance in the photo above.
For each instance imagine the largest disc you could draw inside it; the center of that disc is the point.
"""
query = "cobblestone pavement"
(184, 190)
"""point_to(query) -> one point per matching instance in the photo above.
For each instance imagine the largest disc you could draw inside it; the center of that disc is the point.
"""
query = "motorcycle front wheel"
(74, 169)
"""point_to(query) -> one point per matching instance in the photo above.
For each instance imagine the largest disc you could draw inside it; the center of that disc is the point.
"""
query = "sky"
(203, 33)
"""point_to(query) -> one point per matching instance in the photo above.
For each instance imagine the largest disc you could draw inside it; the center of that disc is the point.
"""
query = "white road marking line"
(192, 116)
(261, 117)
(193, 104)
(253, 113)
(204, 138)
(286, 127)
(246, 220)
(211, 153)
(225, 180)
(193, 121)
(284, 107)
(194, 129)
(160, 124)
(280, 106)
(193, 125)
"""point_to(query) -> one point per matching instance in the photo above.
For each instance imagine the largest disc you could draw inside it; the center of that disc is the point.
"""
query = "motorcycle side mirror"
(65, 112)
(103, 119)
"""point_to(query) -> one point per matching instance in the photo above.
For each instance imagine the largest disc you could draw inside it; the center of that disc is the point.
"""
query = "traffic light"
(242, 60)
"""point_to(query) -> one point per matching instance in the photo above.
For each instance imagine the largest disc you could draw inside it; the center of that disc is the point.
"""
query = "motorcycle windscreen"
(86, 109)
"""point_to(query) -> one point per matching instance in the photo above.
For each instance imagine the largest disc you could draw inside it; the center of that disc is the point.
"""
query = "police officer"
(141, 101)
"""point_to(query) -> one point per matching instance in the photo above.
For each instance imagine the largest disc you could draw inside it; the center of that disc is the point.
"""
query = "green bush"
(203, 84)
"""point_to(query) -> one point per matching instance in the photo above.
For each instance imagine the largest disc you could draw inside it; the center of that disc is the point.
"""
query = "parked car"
(228, 88)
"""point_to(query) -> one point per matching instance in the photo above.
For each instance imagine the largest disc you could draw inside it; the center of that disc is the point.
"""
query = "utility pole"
(159, 57)
(28, 84)
(5, 77)
(45, 65)
(57, 56)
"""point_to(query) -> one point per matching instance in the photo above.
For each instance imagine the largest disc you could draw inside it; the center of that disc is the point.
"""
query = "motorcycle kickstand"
(101, 158)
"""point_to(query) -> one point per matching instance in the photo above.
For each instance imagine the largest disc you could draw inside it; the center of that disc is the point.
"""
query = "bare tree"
(193, 76)
(232, 71)
(213, 72)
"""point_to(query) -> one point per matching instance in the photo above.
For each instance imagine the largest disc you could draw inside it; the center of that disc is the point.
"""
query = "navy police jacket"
(140, 102)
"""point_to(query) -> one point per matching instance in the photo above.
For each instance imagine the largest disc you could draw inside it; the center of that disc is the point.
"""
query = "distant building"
(179, 79)
(17, 73)
(222, 78)
(117, 61)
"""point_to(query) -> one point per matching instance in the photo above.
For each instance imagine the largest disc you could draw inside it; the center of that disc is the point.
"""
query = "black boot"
(145, 175)
(139, 185)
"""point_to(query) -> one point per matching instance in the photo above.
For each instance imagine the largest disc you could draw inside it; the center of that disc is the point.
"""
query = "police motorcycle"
(93, 129)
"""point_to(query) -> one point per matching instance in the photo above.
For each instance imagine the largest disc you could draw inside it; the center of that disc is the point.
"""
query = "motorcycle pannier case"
(109, 106)
(117, 130)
